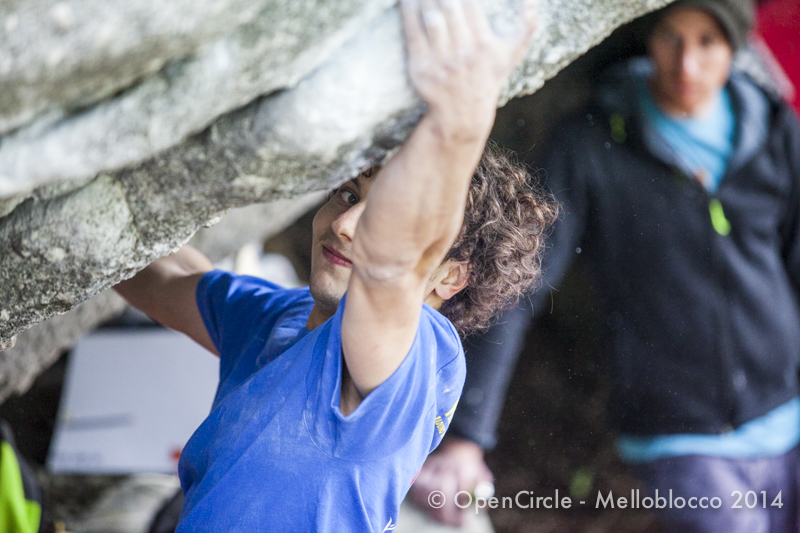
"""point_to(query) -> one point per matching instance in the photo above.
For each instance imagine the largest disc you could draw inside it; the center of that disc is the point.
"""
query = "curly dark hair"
(507, 218)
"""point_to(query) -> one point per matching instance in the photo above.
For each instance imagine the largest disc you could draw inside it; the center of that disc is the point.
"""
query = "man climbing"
(331, 397)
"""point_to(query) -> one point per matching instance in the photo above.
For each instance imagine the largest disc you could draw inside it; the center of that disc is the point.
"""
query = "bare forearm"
(165, 291)
(414, 212)
(458, 66)
(416, 205)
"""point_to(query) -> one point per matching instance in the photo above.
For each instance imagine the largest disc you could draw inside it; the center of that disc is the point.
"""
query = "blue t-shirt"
(276, 453)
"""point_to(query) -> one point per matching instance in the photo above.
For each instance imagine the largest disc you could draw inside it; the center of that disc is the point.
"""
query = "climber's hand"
(457, 62)
(457, 465)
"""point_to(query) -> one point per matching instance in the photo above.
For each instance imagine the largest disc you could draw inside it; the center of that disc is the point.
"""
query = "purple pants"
(754, 509)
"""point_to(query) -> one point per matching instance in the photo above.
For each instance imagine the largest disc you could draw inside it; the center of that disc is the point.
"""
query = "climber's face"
(333, 231)
(692, 60)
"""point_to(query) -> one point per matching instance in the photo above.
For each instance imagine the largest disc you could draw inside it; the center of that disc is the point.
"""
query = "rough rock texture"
(254, 223)
(213, 64)
(95, 191)
(37, 348)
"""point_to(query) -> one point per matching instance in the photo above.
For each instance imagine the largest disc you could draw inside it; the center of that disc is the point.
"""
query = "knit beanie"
(736, 17)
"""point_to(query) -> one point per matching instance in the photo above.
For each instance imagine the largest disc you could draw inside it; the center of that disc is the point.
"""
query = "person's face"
(331, 251)
(692, 60)
(332, 240)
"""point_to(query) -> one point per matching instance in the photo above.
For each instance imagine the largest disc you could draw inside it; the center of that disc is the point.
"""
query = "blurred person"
(331, 396)
(681, 182)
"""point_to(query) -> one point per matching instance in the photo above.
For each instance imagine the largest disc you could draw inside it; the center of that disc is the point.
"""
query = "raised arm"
(416, 203)
(457, 464)
(165, 291)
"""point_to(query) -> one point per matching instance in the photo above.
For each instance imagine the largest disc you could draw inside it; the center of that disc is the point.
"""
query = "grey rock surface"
(74, 227)
(283, 42)
(35, 349)
(38, 347)
(253, 223)
(65, 54)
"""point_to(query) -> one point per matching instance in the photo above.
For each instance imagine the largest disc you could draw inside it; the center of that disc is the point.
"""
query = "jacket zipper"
(720, 228)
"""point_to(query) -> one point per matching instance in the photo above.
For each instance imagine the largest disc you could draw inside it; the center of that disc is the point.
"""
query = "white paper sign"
(131, 400)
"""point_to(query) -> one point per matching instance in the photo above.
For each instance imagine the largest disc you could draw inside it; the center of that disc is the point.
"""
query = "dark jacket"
(701, 289)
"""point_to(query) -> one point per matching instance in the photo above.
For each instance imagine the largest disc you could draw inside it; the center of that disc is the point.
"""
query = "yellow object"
(718, 219)
(17, 515)
(618, 128)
